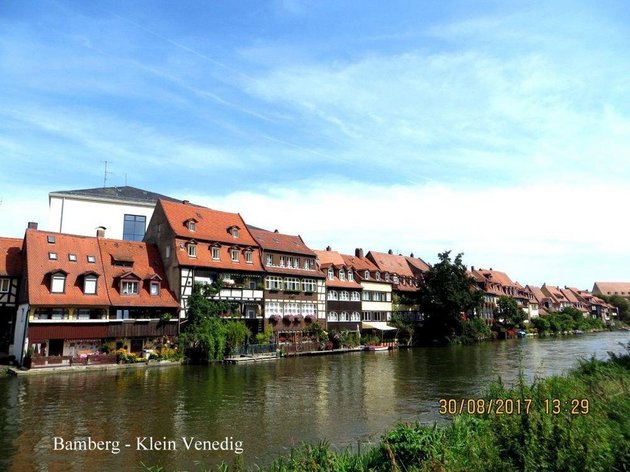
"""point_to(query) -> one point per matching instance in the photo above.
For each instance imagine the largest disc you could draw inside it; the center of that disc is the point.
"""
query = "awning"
(380, 325)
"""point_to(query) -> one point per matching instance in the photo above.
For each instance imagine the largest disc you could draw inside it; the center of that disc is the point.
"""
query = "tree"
(206, 336)
(445, 295)
(508, 312)
(621, 303)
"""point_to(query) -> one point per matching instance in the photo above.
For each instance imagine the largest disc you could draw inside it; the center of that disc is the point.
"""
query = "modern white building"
(124, 211)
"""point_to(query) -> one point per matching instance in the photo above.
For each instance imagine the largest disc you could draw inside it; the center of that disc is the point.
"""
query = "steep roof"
(538, 293)
(211, 225)
(119, 194)
(274, 241)
(612, 288)
(10, 257)
(359, 263)
(417, 263)
(79, 256)
(496, 276)
(394, 264)
(327, 258)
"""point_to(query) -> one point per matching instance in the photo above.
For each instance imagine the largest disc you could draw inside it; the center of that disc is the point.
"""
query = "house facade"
(123, 211)
(294, 290)
(84, 293)
(202, 245)
(11, 269)
(343, 292)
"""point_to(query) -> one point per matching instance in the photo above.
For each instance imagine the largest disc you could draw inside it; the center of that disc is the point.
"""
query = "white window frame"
(308, 309)
(58, 283)
(72, 257)
(342, 275)
(344, 316)
(331, 273)
(192, 226)
(234, 232)
(249, 256)
(273, 308)
(366, 275)
(291, 309)
(90, 286)
(333, 295)
(91, 259)
(332, 316)
(52, 256)
(344, 296)
(269, 258)
(309, 285)
(292, 284)
(234, 254)
(355, 316)
(129, 287)
(273, 282)
(192, 249)
(216, 253)
(154, 289)
(355, 297)
(350, 275)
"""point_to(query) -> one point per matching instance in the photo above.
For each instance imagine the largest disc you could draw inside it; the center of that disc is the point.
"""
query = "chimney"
(32, 225)
(358, 252)
(390, 252)
(328, 248)
(100, 232)
(275, 230)
(472, 268)
(185, 202)
(411, 255)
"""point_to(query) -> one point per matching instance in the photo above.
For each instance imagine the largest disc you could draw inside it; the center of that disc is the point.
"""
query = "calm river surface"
(345, 399)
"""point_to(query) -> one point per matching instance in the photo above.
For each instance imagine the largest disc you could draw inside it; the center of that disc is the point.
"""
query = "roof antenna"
(105, 174)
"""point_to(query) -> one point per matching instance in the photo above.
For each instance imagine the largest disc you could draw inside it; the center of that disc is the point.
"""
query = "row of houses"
(64, 296)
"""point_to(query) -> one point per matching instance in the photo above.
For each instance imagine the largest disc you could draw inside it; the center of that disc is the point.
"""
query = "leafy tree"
(508, 311)
(406, 328)
(206, 336)
(622, 304)
(445, 295)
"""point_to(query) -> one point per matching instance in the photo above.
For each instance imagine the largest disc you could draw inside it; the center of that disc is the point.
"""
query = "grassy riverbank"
(591, 433)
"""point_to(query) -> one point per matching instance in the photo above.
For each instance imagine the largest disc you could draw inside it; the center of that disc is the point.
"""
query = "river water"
(263, 408)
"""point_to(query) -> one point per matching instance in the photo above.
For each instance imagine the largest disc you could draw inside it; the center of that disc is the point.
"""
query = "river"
(263, 408)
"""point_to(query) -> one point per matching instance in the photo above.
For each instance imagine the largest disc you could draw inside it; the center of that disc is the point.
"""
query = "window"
(269, 258)
(332, 316)
(342, 275)
(282, 261)
(72, 257)
(91, 259)
(366, 316)
(308, 309)
(249, 256)
(52, 256)
(331, 273)
(216, 253)
(309, 285)
(234, 253)
(129, 287)
(4, 285)
(89, 285)
(273, 282)
(155, 289)
(344, 316)
(296, 263)
(378, 276)
(134, 227)
(355, 297)
(291, 309)
(234, 231)
(51, 239)
(355, 316)
(344, 296)
(332, 295)
(192, 250)
(292, 284)
(58, 283)
(307, 264)
(273, 308)
(365, 296)
(350, 275)
(192, 225)
(386, 277)
(366, 275)
(396, 280)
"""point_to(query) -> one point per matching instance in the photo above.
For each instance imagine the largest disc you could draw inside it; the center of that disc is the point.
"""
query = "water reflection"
(269, 406)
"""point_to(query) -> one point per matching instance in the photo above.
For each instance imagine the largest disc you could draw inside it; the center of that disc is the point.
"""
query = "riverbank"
(14, 371)
(578, 421)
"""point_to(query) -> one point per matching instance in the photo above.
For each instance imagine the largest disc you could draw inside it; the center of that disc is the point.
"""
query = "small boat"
(521, 334)
(377, 347)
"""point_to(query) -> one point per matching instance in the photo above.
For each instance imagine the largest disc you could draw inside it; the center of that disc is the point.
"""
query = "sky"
(499, 129)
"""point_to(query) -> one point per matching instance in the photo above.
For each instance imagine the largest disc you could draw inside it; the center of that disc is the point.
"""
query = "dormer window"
(366, 275)
(51, 239)
(234, 254)
(331, 273)
(52, 256)
(350, 276)
(378, 276)
(269, 260)
(249, 256)
(386, 277)
(216, 253)
(58, 283)
(154, 289)
(89, 284)
(91, 259)
(72, 257)
(191, 225)
(234, 231)
(342, 275)
(129, 287)
(192, 249)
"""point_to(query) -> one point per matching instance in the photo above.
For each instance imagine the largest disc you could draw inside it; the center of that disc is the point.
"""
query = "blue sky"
(498, 129)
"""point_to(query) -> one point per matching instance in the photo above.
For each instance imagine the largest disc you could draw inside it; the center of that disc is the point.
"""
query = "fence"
(67, 361)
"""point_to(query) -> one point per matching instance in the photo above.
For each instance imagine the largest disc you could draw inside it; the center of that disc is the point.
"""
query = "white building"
(124, 211)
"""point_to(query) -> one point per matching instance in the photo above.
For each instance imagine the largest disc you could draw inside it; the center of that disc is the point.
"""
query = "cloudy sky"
(497, 129)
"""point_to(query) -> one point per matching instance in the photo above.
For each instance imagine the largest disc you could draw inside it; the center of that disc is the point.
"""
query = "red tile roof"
(146, 265)
(212, 225)
(273, 241)
(496, 276)
(336, 283)
(612, 288)
(204, 256)
(327, 258)
(359, 264)
(390, 263)
(10, 257)
(417, 263)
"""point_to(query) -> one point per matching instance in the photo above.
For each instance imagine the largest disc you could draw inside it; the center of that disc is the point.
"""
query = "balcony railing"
(239, 294)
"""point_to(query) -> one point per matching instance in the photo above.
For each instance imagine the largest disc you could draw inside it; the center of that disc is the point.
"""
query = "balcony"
(239, 294)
